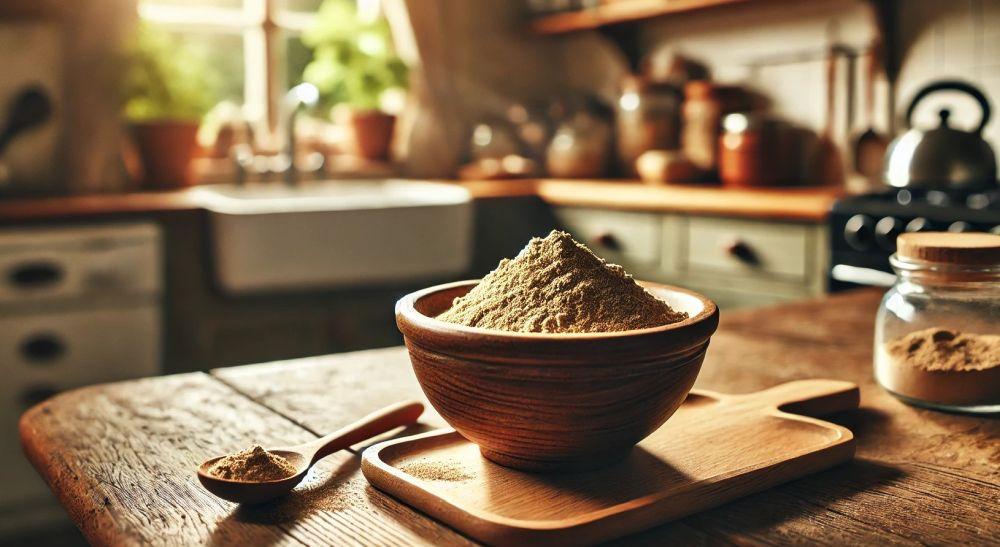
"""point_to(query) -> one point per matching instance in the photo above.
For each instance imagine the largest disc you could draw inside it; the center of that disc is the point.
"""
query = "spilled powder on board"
(449, 471)
(557, 285)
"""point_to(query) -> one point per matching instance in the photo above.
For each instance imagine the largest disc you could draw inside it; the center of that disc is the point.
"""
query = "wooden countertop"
(121, 457)
(797, 204)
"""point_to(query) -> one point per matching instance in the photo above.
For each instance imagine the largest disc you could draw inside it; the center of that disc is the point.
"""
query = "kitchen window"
(253, 45)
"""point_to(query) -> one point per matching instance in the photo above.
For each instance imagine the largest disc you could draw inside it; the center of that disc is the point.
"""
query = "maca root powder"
(253, 465)
(557, 285)
(942, 366)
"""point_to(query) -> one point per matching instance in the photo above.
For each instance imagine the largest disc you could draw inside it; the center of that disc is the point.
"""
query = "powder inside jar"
(942, 366)
(557, 285)
(253, 465)
(942, 349)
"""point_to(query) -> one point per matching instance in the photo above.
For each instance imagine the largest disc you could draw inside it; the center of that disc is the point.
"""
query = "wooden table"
(121, 457)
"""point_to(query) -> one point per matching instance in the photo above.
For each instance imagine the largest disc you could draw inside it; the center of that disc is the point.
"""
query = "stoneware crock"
(554, 402)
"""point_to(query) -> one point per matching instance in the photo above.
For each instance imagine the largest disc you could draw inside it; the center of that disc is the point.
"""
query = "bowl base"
(590, 463)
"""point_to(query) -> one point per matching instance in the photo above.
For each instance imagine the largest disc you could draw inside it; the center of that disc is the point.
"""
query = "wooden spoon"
(305, 455)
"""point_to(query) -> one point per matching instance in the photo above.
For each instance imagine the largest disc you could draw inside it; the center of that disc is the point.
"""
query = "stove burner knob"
(919, 224)
(960, 226)
(886, 231)
(859, 232)
(937, 197)
(979, 201)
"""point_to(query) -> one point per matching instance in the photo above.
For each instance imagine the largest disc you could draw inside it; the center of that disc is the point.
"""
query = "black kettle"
(943, 158)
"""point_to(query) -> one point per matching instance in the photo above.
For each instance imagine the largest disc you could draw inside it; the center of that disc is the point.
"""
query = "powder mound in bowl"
(936, 349)
(253, 465)
(557, 285)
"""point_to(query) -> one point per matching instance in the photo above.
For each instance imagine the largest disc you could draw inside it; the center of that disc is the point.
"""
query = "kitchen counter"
(801, 204)
(121, 457)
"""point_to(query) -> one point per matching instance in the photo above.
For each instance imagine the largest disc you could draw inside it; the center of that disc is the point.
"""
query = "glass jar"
(648, 117)
(937, 332)
(756, 149)
(705, 104)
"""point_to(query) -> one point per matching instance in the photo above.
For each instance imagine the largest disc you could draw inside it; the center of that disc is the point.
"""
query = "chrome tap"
(304, 94)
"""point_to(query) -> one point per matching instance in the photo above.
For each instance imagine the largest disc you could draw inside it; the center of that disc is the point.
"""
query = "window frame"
(264, 28)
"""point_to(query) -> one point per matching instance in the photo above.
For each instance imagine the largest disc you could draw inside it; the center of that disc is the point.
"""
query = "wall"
(90, 31)
(778, 48)
(956, 39)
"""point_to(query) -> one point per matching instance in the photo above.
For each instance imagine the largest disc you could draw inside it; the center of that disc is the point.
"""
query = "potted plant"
(167, 91)
(354, 64)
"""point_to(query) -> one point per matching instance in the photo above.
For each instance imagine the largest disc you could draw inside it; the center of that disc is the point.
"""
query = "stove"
(863, 228)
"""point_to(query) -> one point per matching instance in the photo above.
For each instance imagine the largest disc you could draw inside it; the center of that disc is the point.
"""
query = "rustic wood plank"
(324, 393)
(900, 447)
(121, 458)
(846, 318)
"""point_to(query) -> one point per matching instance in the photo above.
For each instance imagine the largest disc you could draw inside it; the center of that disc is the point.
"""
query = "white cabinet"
(78, 305)
(736, 262)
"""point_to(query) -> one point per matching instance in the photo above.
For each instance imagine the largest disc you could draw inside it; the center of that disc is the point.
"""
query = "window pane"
(297, 56)
(299, 5)
(222, 56)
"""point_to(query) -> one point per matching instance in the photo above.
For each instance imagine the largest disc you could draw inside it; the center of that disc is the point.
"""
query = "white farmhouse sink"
(325, 234)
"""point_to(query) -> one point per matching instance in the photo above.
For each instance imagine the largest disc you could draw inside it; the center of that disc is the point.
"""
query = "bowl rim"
(406, 307)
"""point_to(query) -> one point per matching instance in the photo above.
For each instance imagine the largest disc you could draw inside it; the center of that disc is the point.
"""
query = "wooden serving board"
(716, 448)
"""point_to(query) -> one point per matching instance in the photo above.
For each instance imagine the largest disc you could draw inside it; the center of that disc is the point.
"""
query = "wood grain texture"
(791, 204)
(541, 401)
(671, 473)
(794, 204)
(920, 477)
(121, 459)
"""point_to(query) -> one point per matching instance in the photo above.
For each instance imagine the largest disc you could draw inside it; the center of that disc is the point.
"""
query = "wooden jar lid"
(950, 248)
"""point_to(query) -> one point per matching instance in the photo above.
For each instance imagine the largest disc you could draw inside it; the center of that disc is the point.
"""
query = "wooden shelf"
(619, 11)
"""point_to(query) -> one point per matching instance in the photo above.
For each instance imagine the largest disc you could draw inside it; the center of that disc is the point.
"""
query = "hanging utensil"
(827, 163)
(869, 145)
(30, 108)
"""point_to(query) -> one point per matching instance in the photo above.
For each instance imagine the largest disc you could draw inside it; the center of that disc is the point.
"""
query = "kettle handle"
(953, 85)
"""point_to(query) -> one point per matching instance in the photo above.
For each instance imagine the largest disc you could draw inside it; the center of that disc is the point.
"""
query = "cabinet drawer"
(74, 348)
(749, 248)
(77, 263)
(617, 236)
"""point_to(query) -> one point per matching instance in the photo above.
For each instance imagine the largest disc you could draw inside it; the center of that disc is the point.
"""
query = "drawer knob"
(43, 348)
(742, 251)
(608, 241)
(33, 275)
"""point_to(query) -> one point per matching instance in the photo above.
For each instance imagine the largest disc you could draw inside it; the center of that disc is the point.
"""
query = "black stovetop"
(863, 228)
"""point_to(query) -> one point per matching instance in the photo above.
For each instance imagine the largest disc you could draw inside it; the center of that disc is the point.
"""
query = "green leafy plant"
(354, 62)
(166, 78)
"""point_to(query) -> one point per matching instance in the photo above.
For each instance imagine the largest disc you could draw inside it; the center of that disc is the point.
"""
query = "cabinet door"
(617, 236)
(749, 249)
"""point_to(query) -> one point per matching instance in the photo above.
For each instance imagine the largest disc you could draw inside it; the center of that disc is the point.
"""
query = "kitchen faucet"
(247, 164)
(304, 94)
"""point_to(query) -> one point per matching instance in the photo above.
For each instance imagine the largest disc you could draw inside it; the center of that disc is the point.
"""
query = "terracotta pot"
(554, 402)
(370, 132)
(166, 148)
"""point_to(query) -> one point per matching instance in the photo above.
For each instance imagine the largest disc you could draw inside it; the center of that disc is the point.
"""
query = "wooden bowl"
(546, 402)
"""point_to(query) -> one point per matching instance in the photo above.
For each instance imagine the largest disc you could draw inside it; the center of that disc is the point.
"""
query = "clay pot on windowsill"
(369, 131)
(166, 148)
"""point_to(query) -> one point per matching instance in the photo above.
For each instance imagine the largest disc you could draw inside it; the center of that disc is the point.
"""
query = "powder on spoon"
(253, 465)
(557, 285)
